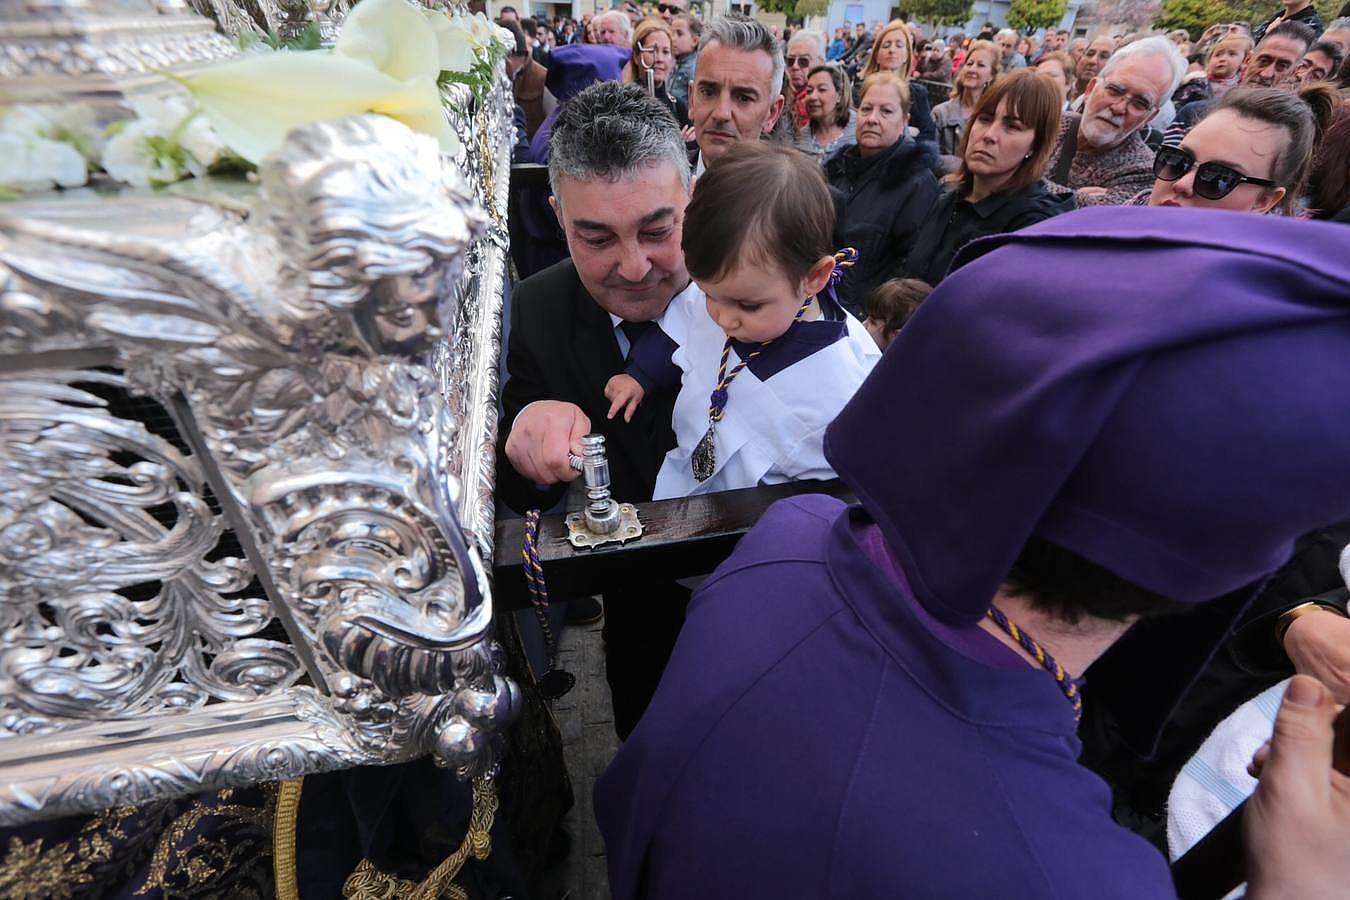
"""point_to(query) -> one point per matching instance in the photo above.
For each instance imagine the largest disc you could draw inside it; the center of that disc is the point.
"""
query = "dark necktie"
(633, 331)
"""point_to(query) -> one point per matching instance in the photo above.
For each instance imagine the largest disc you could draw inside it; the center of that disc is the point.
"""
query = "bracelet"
(1289, 616)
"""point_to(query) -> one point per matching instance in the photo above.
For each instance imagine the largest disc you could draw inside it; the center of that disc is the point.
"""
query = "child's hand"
(623, 393)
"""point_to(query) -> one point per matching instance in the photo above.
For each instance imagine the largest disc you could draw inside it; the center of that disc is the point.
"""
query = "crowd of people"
(781, 260)
(986, 157)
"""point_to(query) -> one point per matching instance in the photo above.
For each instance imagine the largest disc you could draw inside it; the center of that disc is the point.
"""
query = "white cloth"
(774, 430)
(1215, 780)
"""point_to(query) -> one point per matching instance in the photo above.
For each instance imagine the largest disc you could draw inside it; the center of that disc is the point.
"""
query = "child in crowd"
(1225, 63)
(769, 359)
(890, 305)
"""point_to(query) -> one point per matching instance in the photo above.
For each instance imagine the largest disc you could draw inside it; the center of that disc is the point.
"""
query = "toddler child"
(890, 305)
(764, 359)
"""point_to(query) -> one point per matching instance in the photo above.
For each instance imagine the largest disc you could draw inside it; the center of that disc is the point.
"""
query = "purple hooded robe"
(1162, 392)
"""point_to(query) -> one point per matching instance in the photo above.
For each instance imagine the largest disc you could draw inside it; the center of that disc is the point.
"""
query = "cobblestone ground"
(589, 742)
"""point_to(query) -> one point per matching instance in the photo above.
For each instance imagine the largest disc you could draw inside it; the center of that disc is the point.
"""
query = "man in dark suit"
(620, 185)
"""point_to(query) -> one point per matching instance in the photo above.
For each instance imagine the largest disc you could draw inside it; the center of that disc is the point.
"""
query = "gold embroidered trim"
(369, 883)
(33, 872)
(283, 839)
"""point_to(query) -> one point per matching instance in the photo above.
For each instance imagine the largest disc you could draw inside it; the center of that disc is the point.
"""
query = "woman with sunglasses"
(893, 51)
(830, 120)
(653, 52)
(998, 186)
(1251, 153)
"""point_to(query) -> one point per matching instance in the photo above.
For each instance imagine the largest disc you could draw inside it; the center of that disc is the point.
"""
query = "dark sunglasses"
(1213, 181)
(668, 8)
(798, 62)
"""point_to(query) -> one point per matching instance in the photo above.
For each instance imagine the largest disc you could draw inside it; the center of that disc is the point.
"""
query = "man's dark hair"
(1333, 52)
(529, 26)
(508, 9)
(1295, 31)
(610, 130)
(1063, 584)
(521, 48)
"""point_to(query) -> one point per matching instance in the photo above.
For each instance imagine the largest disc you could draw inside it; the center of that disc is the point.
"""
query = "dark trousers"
(641, 625)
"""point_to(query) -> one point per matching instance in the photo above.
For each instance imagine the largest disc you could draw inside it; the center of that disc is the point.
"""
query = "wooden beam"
(681, 538)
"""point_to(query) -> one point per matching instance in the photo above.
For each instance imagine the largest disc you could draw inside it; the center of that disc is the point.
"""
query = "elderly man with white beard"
(1100, 156)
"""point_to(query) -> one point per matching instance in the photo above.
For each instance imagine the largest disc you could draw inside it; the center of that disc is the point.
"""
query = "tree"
(1193, 15)
(806, 8)
(938, 12)
(1032, 14)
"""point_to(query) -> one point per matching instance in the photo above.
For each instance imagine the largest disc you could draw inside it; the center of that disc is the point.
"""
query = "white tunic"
(773, 430)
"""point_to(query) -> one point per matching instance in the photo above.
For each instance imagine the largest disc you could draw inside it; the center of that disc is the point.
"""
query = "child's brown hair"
(893, 302)
(760, 203)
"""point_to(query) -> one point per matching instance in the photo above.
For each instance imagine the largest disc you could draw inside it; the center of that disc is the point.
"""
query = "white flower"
(386, 60)
(455, 45)
(143, 157)
(30, 163)
(483, 30)
(26, 122)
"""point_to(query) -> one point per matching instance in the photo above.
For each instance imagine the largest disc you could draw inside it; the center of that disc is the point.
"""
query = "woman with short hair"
(998, 187)
(1059, 67)
(830, 119)
(887, 185)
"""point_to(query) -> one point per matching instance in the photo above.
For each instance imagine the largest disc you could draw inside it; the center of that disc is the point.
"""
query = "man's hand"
(542, 436)
(1318, 644)
(1092, 193)
(624, 393)
(1297, 824)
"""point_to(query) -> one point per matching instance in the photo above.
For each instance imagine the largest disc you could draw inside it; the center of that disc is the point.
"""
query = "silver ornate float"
(246, 460)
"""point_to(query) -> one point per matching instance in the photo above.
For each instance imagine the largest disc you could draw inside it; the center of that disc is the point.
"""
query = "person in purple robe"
(879, 700)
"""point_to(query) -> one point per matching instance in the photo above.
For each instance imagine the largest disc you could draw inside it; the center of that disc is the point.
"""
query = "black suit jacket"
(562, 347)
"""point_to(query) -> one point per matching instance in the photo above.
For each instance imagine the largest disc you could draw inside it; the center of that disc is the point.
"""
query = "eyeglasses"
(1136, 102)
(799, 62)
(1213, 181)
(668, 8)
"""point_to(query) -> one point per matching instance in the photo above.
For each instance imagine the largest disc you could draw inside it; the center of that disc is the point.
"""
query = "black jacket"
(920, 110)
(881, 202)
(562, 347)
(955, 223)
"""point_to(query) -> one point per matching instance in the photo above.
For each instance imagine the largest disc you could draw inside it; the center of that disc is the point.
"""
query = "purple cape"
(1163, 392)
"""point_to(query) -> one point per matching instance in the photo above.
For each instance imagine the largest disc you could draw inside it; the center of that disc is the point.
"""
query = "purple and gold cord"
(534, 580)
(1047, 662)
(717, 402)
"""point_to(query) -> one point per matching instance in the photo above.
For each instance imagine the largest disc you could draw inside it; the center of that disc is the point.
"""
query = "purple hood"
(1163, 392)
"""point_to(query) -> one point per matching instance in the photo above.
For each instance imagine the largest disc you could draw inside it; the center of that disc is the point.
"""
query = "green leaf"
(938, 12)
(309, 39)
(1032, 14)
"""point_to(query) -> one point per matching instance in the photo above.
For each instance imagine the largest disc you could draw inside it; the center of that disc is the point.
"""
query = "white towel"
(1215, 780)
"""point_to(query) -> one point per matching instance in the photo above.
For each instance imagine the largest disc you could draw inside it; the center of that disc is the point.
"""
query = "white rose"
(36, 164)
(25, 122)
(200, 140)
(128, 157)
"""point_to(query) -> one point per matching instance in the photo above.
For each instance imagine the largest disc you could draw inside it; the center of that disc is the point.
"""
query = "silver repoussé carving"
(320, 380)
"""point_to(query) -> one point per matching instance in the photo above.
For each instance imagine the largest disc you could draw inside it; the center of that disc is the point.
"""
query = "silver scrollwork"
(326, 371)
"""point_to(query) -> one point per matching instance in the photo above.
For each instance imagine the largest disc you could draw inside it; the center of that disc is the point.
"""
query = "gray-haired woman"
(830, 117)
